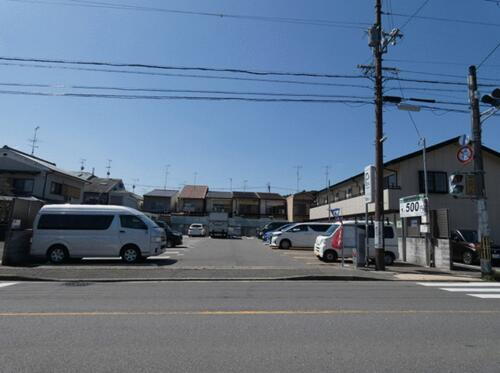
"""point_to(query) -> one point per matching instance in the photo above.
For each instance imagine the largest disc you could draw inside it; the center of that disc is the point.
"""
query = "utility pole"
(109, 168)
(376, 41)
(34, 141)
(298, 176)
(482, 211)
(327, 175)
(166, 176)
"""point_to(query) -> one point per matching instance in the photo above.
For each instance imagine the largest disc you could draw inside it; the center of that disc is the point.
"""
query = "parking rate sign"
(413, 206)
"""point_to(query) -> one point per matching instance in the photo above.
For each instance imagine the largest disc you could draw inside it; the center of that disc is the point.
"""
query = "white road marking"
(472, 290)
(486, 296)
(5, 284)
(459, 284)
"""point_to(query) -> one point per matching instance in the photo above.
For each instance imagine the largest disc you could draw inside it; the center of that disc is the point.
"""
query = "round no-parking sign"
(465, 154)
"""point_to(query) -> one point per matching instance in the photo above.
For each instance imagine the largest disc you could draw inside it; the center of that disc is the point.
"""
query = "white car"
(61, 232)
(196, 230)
(298, 235)
(324, 251)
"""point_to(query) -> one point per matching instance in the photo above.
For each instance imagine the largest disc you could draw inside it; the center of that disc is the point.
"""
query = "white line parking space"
(482, 290)
(5, 284)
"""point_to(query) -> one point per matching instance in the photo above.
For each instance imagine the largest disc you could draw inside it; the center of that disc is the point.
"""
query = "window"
(299, 228)
(75, 222)
(388, 231)
(23, 186)
(56, 188)
(391, 181)
(320, 227)
(437, 181)
(132, 222)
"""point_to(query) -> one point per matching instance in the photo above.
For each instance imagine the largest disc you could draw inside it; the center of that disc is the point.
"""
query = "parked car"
(61, 232)
(325, 251)
(298, 235)
(266, 238)
(196, 230)
(465, 247)
(174, 238)
(269, 227)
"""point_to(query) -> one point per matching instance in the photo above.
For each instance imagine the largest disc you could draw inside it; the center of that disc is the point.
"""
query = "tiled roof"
(161, 193)
(245, 195)
(101, 185)
(270, 196)
(194, 192)
(222, 195)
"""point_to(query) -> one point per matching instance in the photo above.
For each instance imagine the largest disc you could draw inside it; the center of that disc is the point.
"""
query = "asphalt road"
(247, 327)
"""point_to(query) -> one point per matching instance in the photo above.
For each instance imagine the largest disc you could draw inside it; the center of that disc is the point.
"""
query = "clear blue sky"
(258, 142)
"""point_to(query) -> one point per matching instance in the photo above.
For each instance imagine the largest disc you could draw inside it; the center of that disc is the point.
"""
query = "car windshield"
(470, 235)
(332, 229)
(149, 222)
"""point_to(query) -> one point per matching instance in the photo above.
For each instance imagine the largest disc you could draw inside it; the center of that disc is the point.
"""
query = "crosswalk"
(482, 290)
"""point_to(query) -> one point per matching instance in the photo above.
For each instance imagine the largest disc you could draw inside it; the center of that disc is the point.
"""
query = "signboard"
(464, 140)
(465, 154)
(369, 184)
(413, 206)
(335, 213)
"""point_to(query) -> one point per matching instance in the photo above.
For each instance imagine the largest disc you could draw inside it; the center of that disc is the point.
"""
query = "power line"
(299, 82)
(414, 14)
(105, 5)
(445, 82)
(441, 74)
(489, 55)
(441, 19)
(128, 89)
(183, 68)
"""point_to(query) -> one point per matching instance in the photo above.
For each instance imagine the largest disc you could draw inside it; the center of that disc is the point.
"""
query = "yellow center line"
(248, 312)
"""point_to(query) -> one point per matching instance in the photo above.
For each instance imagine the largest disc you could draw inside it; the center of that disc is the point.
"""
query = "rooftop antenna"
(298, 176)
(34, 141)
(82, 164)
(195, 176)
(269, 187)
(166, 176)
(109, 168)
(231, 184)
(134, 181)
(245, 185)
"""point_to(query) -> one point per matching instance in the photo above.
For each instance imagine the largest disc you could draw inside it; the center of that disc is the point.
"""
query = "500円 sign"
(413, 206)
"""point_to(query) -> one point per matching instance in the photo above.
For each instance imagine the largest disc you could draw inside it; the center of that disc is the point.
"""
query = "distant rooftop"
(161, 193)
(221, 195)
(194, 192)
(270, 196)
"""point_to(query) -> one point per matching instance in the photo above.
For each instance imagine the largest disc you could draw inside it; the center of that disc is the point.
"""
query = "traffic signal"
(457, 185)
(493, 99)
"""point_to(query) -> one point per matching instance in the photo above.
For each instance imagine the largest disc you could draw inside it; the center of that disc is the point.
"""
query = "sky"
(252, 143)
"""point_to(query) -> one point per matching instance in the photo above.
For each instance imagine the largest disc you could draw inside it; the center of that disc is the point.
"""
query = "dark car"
(173, 238)
(465, 247)
(270, 227)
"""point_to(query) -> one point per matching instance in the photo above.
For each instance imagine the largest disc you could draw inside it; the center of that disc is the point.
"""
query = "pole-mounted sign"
(369, 184)
(413, 206)
(465, 154)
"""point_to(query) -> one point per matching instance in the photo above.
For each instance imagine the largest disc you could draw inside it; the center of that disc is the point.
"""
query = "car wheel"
(170, 243)
(57, 254)
(130, 254)
(330, 256)
(389, 259)
(285, 244)
(468, 257)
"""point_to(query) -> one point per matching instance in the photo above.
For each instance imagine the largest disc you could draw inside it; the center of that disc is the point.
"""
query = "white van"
(298, 235)
(76, 231)
(324, 251)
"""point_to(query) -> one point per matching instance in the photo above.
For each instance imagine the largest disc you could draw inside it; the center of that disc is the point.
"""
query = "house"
(219, 202)
(97, 191)
(125, 198)
(404, 177)
(159, 201)
(246, 204)
(191, 199)
(298, 206)
(25, 175)
(272, 205)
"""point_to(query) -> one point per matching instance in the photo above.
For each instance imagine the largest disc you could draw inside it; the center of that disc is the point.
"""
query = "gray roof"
(270, 196)
(245, 195)
(82, 174)
(161, 193)
(221, 195)
(102, 185)
(43, 163)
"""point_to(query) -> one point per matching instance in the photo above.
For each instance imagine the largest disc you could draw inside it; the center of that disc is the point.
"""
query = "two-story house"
(159, 201)
(26, 175)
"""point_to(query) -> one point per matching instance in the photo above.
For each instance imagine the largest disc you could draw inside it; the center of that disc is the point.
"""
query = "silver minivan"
(61, 232)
